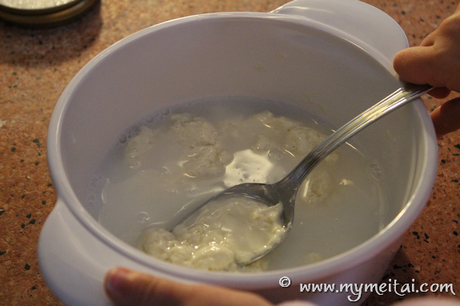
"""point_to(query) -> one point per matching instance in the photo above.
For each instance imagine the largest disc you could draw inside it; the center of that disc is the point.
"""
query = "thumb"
(446, 118)
(126, 287)
(415, 64)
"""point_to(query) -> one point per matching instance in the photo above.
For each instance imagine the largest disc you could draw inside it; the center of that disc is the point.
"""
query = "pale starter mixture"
(230, 231)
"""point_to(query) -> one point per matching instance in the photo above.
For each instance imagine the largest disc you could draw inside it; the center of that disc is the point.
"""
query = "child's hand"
(437, 62)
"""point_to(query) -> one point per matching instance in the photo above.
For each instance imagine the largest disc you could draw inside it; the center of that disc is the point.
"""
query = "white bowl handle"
(72, 266)
(361, 23)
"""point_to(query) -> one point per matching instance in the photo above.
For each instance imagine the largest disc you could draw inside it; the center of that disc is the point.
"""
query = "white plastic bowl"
(336, 61)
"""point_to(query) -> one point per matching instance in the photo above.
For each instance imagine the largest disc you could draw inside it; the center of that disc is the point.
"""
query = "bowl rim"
(333, 265)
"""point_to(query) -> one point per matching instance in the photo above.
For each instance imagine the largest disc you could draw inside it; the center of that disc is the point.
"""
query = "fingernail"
(116, 279)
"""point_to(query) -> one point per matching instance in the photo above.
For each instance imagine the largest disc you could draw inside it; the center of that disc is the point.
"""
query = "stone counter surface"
(37, 64)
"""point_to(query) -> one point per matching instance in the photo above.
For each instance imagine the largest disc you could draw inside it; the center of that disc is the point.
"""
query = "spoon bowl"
(284, 191)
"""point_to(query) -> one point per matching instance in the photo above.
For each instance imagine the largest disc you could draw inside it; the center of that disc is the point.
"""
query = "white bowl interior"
(277, 58)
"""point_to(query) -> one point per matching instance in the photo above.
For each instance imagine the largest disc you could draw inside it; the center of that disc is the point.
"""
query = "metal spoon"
(285, 190)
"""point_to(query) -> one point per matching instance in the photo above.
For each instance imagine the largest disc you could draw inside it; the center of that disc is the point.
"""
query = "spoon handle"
(400, 97)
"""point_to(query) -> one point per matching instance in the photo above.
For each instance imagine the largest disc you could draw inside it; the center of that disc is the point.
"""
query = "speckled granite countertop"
(36, 65)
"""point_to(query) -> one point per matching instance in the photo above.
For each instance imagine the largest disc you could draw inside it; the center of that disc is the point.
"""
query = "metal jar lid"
(43, 13)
